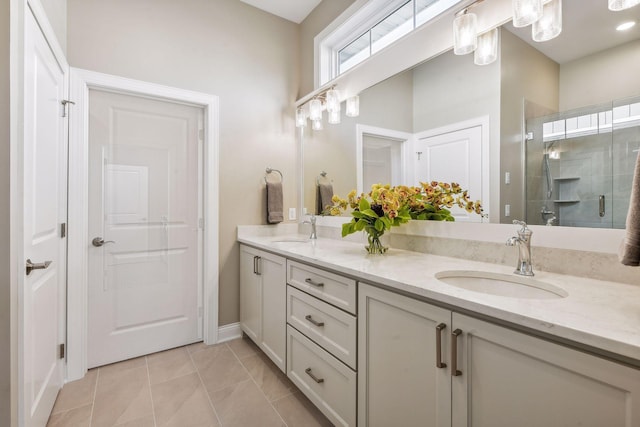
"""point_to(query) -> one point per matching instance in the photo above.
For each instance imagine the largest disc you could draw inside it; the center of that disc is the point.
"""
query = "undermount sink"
(504, 285)
(291, 240)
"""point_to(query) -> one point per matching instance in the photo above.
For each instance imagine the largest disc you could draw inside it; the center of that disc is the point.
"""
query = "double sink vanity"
(408, 338)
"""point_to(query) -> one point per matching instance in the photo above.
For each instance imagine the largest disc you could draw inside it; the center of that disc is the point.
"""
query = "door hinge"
(63, 230)
(64, 103)
(61, 351)
(200, 311)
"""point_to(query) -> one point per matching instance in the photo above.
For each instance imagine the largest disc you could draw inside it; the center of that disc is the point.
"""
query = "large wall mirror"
(549, 132)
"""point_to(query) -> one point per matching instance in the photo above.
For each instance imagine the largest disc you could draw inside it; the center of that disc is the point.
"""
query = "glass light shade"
(301, 117)
(487, 50)
(617, 5)
(316, 125)
(315, 110)
(333, 101)
(353, 106)
(526, 12)
(334, 117)
(465, 34)
(550, 25)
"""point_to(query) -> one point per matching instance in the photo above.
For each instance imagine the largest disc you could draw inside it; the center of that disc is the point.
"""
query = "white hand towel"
(629, 253)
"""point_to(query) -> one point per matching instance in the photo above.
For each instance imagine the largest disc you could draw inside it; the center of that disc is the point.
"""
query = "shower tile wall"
(583, 166)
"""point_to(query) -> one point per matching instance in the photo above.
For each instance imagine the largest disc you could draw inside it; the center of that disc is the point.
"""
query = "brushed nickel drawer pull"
(439, 329)
(311, 282)
(454, 353)
(316, 379)
(315, 322)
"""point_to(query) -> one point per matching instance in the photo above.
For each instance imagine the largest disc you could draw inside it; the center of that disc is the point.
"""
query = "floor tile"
(243, 347)
(297, 411)
(117, 368)
(219, 368)
(169, 364)
(244, 405)
(78, 417)
(121, 397)
(147, 421)
(183, 402)
(77, 393)
(270, 379)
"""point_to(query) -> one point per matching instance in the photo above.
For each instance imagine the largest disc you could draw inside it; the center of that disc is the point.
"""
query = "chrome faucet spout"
(523, 241)
(312, 221)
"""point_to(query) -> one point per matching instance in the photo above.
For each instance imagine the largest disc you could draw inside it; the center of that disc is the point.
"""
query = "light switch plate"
(292, 213)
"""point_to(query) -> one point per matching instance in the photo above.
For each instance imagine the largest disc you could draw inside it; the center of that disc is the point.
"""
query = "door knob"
(99, 241)
(36, 266)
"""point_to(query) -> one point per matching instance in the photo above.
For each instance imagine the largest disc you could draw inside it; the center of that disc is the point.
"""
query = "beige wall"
(601, 77)
(227, 48)
(526, 73)
(5, 294)
(318, 20)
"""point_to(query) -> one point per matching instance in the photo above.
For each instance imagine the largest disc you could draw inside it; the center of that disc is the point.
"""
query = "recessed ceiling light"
(625, 25)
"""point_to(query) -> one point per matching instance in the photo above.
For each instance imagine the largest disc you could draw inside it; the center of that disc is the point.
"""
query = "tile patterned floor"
(231, 384)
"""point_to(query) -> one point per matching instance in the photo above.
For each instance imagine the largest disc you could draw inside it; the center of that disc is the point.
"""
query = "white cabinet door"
(274, 308)
(513, 379)
(263, 296)
(399, 383)
(250, 293)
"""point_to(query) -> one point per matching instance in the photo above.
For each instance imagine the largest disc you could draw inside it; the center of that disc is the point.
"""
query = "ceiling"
(588, 26)
(291, 10)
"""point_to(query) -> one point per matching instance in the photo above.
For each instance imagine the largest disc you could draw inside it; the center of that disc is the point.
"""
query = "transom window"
(375, 25)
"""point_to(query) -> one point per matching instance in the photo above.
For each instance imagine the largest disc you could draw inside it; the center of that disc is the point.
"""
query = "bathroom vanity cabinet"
(422, 365)
(263, 301)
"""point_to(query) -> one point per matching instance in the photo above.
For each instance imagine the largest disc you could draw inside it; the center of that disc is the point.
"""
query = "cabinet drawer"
(328, 383)
(332, 288)
(333, 329)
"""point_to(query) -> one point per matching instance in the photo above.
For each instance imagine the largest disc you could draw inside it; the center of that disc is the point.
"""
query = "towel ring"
(323, 175)
(269, 170)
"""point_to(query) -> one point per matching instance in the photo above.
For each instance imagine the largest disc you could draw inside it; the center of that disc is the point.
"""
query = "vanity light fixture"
(333, 117)
(487, 50)
(333, 101)
(550, 25)
(465, 32)
(626, 25)
(526, 12)
(301, 117)
(618, 5)
(353, 106)
(315, 109)
(317, 124)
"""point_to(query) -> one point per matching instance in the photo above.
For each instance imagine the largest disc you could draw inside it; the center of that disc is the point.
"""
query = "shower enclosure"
(580, 164)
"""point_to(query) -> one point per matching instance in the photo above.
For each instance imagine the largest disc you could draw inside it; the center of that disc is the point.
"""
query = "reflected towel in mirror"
(324, 193)
(630, 248)
(275, 210)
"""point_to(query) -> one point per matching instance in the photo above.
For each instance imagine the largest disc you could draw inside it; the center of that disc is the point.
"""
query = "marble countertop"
(599, 314)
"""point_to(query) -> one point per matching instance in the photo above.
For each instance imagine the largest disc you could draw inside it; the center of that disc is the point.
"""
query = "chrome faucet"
(312, 221)
(523, 241)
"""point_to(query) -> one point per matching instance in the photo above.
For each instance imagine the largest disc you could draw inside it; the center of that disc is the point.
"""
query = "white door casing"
(145, 201)
(451, 154)
(42, 300)
(82, 81)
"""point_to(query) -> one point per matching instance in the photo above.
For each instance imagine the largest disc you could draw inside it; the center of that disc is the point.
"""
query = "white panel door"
(453, 157)
(145, 205)
(45, 171)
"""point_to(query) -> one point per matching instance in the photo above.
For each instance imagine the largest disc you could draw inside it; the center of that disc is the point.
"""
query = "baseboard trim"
(229, 332)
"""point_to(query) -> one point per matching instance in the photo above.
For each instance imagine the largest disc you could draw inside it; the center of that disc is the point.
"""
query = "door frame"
(77, 301)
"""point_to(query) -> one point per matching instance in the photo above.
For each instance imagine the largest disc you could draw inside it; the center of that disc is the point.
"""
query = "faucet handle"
(524, 229)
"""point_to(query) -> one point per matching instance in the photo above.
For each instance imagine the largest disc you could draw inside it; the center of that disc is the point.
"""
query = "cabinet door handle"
(316, 379)
(313, 283)
(439, 329)
(315, 322)
(256, 265)
(454, 353)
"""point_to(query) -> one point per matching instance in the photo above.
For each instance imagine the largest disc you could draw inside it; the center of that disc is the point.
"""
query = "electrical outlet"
(507, 178)
(292, 213)
(507, 210)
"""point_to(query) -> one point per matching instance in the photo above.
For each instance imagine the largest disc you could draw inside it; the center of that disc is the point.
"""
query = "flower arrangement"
(385, 207)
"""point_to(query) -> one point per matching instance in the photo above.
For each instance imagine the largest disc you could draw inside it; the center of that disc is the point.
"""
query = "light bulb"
(333, 101)
(301, 117)
(526, 12)
(315, 109)
(550, 25)
(487, 50)
(316, 125)
(353, 106)
(334, 117)
(617, 5)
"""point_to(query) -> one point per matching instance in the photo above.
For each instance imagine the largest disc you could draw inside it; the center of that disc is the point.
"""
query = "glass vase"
(375, 246)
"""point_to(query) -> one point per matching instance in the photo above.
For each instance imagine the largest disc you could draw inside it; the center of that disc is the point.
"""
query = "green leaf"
(360, 225)
(347, 228)
(364, 205)
(379, 225)
(370, 213)
(357, 214)
(386, 221)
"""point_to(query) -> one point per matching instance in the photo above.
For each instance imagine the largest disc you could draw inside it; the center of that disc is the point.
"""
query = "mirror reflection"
(450, 120)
